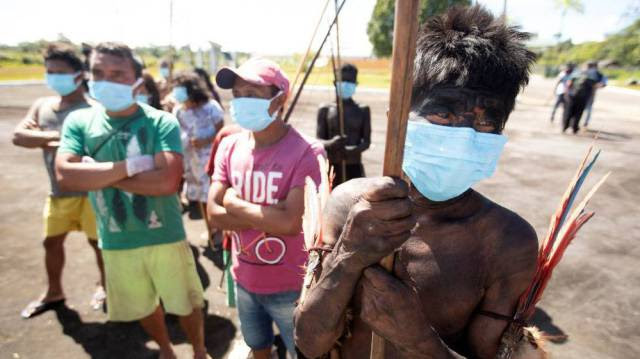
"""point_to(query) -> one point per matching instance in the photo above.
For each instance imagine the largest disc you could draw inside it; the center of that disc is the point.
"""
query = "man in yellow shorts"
(129, 156)
(63, 211)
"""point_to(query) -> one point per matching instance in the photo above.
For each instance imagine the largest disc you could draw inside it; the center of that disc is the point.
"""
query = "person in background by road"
(357, 129)
(601, 81)
(129, 156)
(64, 211)
(561, 88)
(580, 88)
(200, 118)
(257, 191)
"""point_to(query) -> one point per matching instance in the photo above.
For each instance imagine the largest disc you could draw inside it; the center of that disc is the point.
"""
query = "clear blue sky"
(261, 26)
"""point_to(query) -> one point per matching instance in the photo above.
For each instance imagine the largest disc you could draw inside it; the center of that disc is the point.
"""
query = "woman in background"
(200, 119)
(204, 75)
(148, 93)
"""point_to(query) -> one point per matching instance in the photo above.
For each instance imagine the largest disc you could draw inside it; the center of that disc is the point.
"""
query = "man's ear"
(138, 85)
(277, 103)
(80, 76)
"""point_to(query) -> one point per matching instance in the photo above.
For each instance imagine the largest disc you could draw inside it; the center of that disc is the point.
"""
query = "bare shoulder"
(50, 101)
(514, 241)
(337, 210)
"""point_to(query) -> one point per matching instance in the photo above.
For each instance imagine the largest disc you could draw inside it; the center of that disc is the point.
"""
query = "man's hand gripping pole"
(404, 47)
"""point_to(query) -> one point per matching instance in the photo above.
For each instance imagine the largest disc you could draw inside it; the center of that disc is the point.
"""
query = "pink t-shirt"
(263, 263)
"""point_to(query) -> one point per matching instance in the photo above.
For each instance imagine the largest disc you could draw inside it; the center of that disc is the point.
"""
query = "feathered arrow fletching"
(563, 228)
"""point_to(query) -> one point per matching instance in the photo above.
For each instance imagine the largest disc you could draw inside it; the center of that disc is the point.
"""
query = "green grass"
(12, 71)
(15, 72)
(372, 73)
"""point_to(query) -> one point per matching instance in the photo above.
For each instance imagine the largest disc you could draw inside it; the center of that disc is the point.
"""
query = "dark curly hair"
(196, 88)
(152, 89)
(469, 47)
(63, 52)
(204, 75)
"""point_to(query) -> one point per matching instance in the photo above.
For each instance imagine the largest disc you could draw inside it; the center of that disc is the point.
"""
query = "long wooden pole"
(313, 62)
(338, 78)
(303, 61)
(405, 31)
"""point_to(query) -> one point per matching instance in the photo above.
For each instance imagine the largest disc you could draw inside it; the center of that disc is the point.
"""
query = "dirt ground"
(593, 299)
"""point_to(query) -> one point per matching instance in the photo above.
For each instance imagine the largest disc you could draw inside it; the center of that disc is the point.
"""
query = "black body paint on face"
(462, 107)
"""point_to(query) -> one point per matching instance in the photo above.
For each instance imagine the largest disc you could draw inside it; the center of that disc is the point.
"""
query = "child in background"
(200, 119)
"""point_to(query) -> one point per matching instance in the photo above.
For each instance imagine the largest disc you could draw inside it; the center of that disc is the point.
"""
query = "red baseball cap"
(257, 71)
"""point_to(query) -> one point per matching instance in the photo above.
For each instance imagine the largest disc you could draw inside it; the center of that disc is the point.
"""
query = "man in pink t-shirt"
(257, 193)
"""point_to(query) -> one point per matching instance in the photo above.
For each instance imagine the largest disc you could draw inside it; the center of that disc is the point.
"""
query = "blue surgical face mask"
(252, 113)
(63, 84)
(164, 71)
(180, 94)
(347, 89)
(443, 162)
(112, 95)
(142, 97)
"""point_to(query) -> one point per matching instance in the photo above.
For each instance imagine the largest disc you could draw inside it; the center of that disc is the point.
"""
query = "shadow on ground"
(544, 322)
(607, 135)
(215, 256)
(128, 340)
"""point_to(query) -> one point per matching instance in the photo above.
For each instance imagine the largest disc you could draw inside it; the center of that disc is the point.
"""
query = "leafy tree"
(380, 27)
(622, 47)
(566, 6)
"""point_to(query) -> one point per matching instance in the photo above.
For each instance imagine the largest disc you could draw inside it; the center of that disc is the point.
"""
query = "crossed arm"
(74, 175)
(28, 132)
(392, 309)
(226, 210)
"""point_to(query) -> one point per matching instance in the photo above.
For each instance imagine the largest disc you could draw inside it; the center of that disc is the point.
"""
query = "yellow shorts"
(66, 214)
(137, 278)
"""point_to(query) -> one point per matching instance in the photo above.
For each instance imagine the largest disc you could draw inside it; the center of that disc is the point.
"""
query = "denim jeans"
(257, 313)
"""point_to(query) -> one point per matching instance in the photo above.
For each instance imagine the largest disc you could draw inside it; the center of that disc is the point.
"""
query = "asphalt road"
(593, 298)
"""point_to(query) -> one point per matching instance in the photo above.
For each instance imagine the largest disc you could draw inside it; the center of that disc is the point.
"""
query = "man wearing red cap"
(257, 193)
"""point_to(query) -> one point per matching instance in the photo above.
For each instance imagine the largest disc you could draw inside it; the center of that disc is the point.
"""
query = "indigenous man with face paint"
(257, 192)
(128, 155)
(357, 128)
(64, 211)
(462, 260)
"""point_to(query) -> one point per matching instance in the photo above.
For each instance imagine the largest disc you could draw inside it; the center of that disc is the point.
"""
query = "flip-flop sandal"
(38, 307)
(98, 299)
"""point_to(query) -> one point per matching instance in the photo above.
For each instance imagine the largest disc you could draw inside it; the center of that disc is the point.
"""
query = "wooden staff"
(338, 78)
(405, 31)
(313, 62)
(303, 61)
